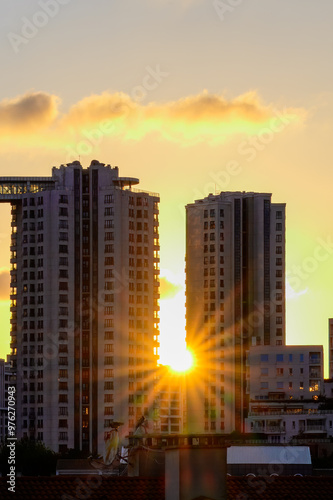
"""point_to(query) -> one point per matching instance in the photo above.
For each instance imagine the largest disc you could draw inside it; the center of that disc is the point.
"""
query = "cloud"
(207, 107)
(168, 289)
(205, 117)
(95, 108)
(28, 113)
(4, 285)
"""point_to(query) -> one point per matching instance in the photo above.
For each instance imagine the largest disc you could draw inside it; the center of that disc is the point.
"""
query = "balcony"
(268, 429)
(274, 429)
(314, 428)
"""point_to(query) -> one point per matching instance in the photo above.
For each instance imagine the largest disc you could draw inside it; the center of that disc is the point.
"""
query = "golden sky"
(192, 97)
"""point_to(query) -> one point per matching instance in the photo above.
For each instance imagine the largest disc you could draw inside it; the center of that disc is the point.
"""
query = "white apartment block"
(285, 372)
(235, 298)
(284, 385)
(84, 303)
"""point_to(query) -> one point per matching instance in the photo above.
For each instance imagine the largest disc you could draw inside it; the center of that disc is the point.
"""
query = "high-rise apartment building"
(235, 298)
(84, 303)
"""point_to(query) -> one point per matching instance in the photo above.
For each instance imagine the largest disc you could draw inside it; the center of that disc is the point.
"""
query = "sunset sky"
(192, 97)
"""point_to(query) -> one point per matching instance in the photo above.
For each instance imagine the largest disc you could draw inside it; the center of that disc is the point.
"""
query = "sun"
(182, 361)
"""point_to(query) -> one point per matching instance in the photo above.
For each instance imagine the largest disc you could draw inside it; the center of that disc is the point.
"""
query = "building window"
(63, 211)
(63, 198)
(108, 198)
(263, 358)
(278, 214)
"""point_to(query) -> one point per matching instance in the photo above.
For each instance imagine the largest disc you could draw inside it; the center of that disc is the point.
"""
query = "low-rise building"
(285, 385)
(285, 372)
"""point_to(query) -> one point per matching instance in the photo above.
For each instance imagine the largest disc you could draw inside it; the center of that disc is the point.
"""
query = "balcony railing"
(315, 428)
(290, 412)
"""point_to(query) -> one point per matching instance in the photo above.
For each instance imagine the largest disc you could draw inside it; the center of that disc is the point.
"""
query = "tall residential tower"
(235, 298)
(84, 303)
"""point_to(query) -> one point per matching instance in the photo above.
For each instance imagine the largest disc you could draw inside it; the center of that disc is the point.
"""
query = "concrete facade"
(285, 372)
(235, 298)
(84, 303)
(285, 385)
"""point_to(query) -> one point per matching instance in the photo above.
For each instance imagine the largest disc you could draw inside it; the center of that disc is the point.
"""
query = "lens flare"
(181, 361)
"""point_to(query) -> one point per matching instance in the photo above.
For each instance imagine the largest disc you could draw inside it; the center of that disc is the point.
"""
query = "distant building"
(84, 303)
(171, 401)
(284, 385)
(285, 372)
(235, 298)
